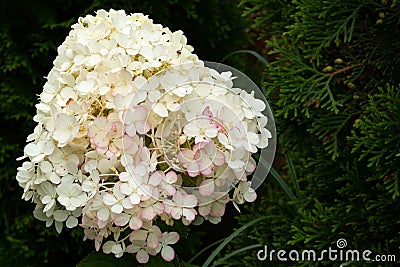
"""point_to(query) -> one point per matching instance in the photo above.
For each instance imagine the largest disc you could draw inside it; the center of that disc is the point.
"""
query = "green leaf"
(251, 52)
(98, 259)
(232, 236)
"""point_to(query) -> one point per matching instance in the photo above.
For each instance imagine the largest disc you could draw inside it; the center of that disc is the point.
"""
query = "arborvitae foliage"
(334, 86)
(30, 32)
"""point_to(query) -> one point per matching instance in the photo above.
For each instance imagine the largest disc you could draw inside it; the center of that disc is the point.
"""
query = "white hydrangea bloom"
(133, 128)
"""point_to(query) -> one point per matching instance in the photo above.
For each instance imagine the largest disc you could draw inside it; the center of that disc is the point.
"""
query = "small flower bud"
(379, 21)
(355, 97)
(381, 15)
(338, 61)
(328, 69)
(351, 85)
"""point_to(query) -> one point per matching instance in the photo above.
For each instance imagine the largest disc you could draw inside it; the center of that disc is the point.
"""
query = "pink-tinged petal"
(122, 219)
(185, 155)
(250, 167)
(152, 240)
(167, 253)
(159, 208)
(102, 224)
(144, 191)
(142, 256)
(171, 177)
(135, 223)
(130, 130)
(100, 140)
(168, 206)
(218, 209)
(193, 169)
(206, 187)
(171, 238)
(155, 179)
(219, 159)
(204, 210)
(138, 235)
(250, 196)
(176, 213)
(211, 132)
(148, 213)
(205, 166)
(142, 127)
(140, 113)
(189, 214)
(207, 112)
(210, 149)
(189, 201)
(97, 242)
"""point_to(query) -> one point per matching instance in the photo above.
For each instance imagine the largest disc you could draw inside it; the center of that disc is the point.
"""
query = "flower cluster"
(134, 131)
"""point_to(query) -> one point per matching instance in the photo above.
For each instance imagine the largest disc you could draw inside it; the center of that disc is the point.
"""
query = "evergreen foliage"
(30, 33)
(334, 87)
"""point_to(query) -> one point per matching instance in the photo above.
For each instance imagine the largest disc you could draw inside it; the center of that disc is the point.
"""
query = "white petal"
(71, 222)
(60, 215)
(103, 214)
(160, 110)
(117, 208)
(32, 150)
(109, 199)
(211, 132)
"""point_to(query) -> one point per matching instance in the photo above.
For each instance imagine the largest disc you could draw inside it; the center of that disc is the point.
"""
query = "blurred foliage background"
(332, 81)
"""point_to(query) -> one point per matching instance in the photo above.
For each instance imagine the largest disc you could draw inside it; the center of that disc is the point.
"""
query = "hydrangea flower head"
(134, 131)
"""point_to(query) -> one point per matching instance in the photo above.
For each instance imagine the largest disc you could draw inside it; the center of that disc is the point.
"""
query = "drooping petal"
(71, 222)
(189, 214)
(142, 256)
(167, 253)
